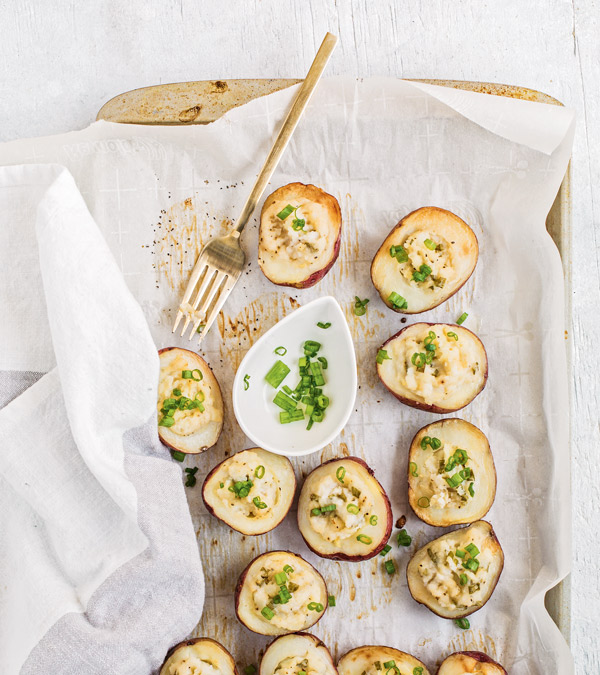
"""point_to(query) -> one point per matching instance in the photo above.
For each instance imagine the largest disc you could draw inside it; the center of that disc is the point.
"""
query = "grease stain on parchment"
(471, 640)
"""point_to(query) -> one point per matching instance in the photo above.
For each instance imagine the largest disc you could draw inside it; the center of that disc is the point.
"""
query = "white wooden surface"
(60, 60)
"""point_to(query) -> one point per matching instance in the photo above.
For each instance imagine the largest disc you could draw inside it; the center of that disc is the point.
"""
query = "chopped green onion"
(298, 224)
(284, 401)
(186, 374)
(463, 579)
(331, 600)
(277, 374)
(454, 480)
(315, 512)
(423, 502)
(385, 550)
(259, 505)
(353, 508)
(399, 252)
(390, 568)
(452, 335)
(246, 382)
(418, 670)
(267, 613)
(373, 521)
(191, 477)
(315, 607)
(460, 553)
(167, 421)
(461, 456)
(221, 485)
(435, 443)
(404, 539)
(280, 351)
(259, 472)
(471, 564)
(462, 623)
(340, 473)
(462, 318)
(382, 355)
(389, 664)
(200, 376)
(288, 569)
(425, 441)
(284, 213)
(176, 392)
(360, 306)
(323, 361)
(397, 301)
(286, 417)
(422, 274)
(318, 415)
(430, 244)
(471, 489)
(280, 578)
(364, 539)
(320, 324)
(419, 359)
(179, 456)
(328, 507)
(414, 469)
(473, 550)
(312, 347)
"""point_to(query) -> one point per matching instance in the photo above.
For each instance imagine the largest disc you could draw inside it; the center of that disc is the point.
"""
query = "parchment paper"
(383, 148)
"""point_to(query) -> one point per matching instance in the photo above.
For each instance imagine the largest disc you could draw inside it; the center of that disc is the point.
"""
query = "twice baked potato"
(195, 655)
(251, 491)
(375, 659)
(461, 663)
(190, 405)
(278, 593)
(424, 260)
(293, 654)
(451, 473)
(343, 512)
(456, 574)
(438, 367)
(300, 235)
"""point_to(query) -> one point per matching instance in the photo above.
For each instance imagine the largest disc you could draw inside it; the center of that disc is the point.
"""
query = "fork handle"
(287, 129)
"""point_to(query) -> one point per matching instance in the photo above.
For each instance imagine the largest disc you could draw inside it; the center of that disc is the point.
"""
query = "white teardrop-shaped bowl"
(254, 409)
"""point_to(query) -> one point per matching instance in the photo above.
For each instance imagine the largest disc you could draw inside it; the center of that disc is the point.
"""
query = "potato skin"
(477, 656)
(390, 519)
(193, 641)
(316, 194)
(426, 406)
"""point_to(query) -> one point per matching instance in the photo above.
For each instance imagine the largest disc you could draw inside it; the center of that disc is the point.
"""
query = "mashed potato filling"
(311, 664)
(446, 578)
(172, 381)
(438, 259)
(434, 483)
(260, 491)
(193, 665)
(353, 507)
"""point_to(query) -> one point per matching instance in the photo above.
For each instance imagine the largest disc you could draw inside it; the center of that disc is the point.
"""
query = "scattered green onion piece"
(298, 224)
(435, 443)
(390, 568)
(176, 392)
(460, 553)
(312, 346)
(423, 502)
(425, 441)
(280, 351)
(463, 579)
(462, 318)
(389, 664)
(331, 600)
(373, 521)
(461, 456)
(414, 469)
(340, 473)
(191, 477)
(320, 324)
(280, 578)
(323, 361)
(179, 456)
(360, 306)
(404, 539)
(200, 376)
(284, 213)
(284, 401)
(399, 252)
(385, 550)
(452, 335)
(315, 607)
(246, 382)
(318, 416)
(221, 485)
(315, 512)
(167, 421)
(310, 424)
(471, 489)
(279, 371)
(353, 508)
(471, 564)
(259, 505)
(328, 507)
(418, 670)
(186, 374)
(397, 301)
(382, 355)
(288, 569)
(364, 539)
(259, 472)
(267, 613)
(473, 550)
(430, 244)
(317, 373)
(286, 417)
(462, 623)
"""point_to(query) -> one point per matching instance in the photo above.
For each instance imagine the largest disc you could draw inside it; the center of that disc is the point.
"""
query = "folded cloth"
(99, 566)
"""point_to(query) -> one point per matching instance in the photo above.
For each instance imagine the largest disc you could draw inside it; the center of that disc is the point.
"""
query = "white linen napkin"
(99, 566)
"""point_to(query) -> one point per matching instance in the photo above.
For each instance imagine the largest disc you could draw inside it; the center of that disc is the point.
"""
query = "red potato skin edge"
(478, 656)
(408, 476)
(314, 638)
(315, 277)
(390, 517)
(426, 406)
(211, 510)
(490, 592)
(193, 641)
(443, 300)
(242, 579)
(206, 447)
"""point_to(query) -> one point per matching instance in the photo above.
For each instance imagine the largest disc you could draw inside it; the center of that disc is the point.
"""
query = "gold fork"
(222, 260)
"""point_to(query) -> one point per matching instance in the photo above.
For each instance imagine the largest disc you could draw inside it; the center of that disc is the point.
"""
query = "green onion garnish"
(186, 374)
(315, 607)
(462, 318)
(373, 521)
(460, 553)
(259, 472)
(472, 550)
(279, 371)
(389, 664)
(315, 512)
(284, 401)
(422, 274)
(435, 443)
(461, 456)
(360, 306)
(323, 361)
(471, 490)
(176, 392)
(425, 441)
(353, 508)
(418, 670)
(397, 301)
(311, 347)
(179, 456)
(471, 564)
(167, 421)
(463, 579)
(430, 244)
(382, 356)
(246, 382)
(404, 539)
(250, 670)
(414, 469)
(390, 568)
(267, 613)
(455, 480)
(280, 578)
(284, 213)
(462, 623)
(280, 351)
(385, 550)
(452, 335)
(259, 505)
(364, 539)
(399, 252)
(291, 416)
(331, 600)
(328, 507)
(298, 224)
(423, 502)
(320, 324)
(288, 569)
(191, 477)
(340, 473)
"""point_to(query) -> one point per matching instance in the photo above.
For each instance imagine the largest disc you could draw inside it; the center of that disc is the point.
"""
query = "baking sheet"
(383, 147)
